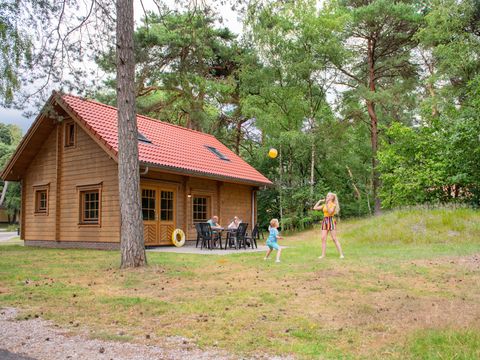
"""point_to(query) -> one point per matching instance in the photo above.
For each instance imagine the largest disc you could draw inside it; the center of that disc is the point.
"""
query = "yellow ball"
(273, 153)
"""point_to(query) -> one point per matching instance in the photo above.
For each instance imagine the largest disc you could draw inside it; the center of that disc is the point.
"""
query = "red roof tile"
(174, 147)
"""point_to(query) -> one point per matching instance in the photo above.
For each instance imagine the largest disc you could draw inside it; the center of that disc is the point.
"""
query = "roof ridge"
(138, 115)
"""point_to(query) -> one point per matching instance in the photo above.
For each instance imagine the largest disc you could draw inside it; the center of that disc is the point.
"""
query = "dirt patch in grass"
(469, 262)
(369, 311)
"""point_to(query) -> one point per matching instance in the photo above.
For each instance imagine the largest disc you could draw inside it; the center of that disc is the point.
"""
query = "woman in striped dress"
(330, 208)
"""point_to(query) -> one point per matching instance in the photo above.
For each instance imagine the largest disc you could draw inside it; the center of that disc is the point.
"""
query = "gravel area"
(40, 339)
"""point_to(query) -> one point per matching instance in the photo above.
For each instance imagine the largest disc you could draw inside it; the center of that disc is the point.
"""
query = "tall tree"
(184, 67)
(132, 244)
(438, 160)
(294, 40)
(68, 32)
(379, 37)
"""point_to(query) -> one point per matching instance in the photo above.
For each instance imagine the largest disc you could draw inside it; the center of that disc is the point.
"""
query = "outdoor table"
(218, 233)
(229, 233)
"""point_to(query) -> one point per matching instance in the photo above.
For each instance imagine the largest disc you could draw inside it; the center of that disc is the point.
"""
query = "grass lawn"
(409, 287)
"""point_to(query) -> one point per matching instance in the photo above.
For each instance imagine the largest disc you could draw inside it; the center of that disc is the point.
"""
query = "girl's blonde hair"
(335, 201)
(274, 222)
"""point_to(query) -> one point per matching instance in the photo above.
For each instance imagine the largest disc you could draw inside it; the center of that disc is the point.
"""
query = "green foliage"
(451, 33)
(274, 88)
(413, 166)
(15, 50)
(13, 200)
(418, 225)
(10, 136)
(184, 67)
(438, 160)
(286, 94)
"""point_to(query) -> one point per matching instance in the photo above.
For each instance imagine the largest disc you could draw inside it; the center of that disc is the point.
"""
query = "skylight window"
(218, 153)
(143, 138)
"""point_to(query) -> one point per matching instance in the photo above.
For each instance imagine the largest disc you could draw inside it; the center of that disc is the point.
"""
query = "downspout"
(253, 209)
(145, 172)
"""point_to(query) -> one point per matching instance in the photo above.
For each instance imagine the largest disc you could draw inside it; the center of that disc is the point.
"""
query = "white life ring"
(178, 238)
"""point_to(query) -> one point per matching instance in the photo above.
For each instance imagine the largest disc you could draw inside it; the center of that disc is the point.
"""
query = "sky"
(17, 117)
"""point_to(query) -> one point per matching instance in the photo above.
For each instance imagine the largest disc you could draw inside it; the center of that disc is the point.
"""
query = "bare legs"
(337, 243)
(269, 251)
(324, 243)
(335, 240)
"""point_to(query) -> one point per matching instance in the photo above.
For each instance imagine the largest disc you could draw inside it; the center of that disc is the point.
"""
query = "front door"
(158, 211)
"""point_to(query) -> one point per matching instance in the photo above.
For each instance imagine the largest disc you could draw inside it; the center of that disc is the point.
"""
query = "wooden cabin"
(67, 166)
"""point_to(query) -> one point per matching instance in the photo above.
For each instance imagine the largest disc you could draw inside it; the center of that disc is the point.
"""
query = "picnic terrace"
(67, 166)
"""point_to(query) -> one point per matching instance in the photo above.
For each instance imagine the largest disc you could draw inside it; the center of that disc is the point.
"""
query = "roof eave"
(182, 171)
(4, 175)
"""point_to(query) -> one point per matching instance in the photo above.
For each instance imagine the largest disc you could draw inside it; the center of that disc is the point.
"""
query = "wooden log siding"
(41, 171)
(86, 163)
(83, 164)
(236, 200)
(58, 173)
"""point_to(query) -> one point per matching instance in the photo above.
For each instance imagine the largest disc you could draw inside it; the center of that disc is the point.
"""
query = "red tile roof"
(172, 147)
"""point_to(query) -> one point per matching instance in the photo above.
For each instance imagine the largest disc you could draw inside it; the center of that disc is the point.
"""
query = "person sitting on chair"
(234, 224)
(214, 223)
(215, 229)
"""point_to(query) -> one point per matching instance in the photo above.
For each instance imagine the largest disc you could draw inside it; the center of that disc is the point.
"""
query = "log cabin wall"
(225, 200)
(86, 164)
(40, 174)
(203, 188)
(65, 170)
(236, 200)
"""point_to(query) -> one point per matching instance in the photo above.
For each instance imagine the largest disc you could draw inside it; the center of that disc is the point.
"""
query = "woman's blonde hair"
(274, 222)
(335, 201)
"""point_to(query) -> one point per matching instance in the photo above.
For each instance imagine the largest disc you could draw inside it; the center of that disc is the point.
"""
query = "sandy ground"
(40, 339)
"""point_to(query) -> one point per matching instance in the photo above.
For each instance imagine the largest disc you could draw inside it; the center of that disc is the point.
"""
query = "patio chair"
(210, 238)
(241, 236)
(252, 239)
(204, 235)
(199, 233)
(231, 238)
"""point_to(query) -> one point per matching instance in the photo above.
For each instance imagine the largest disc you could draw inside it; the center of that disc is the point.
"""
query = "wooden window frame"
(160, 209)
(208, 210)
(149, 208)
(66, 142)
(38, 189)
(81, 190)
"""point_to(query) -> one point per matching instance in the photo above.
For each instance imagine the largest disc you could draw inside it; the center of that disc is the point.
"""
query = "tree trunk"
(131, 232)
(4, 192)
(312, 170)
(280, 170)
(373, 124)
(431, 91)
(374, 142)
(238, 136)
